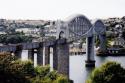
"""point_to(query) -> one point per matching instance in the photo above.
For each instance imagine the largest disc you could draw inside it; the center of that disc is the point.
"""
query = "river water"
(78, 72)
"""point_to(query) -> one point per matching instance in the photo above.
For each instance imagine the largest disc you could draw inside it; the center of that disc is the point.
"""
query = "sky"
(60, 9)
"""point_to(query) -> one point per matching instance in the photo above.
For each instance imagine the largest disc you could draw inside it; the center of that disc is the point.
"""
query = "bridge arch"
(75, 27)
(99, 27)
(100, 31)
(78, 26)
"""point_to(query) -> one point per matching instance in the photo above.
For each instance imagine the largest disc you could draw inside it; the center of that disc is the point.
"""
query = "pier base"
(55, 58)
(18, 52)
(90, 63)
(31, 54)
(63, 59)
(47, 55)
(40, 56)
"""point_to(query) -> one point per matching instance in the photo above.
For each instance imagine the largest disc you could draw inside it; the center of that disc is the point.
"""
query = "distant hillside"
(21, 23)
(111, 23)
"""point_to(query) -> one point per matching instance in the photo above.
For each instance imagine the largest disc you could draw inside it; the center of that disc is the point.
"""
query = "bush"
(24, 68)
(110, 72)
(45, 76)
(17, 71)
(5, 61)
(10, 72)
(42, 71)
(61, 79)
(14, 38)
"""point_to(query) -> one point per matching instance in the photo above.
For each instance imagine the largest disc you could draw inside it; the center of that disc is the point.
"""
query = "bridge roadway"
(60, 53)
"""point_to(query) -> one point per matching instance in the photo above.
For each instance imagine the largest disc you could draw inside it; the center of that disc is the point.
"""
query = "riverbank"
(111, 54)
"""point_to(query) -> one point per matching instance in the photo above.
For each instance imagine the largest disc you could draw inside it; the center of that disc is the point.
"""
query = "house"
(119, 42)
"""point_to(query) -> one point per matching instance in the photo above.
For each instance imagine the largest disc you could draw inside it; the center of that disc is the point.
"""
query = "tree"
(17, 71)
(123, 35)
(110, 72)
(14, 38)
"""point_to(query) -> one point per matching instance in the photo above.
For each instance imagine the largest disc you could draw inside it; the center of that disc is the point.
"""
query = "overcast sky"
(60, 9)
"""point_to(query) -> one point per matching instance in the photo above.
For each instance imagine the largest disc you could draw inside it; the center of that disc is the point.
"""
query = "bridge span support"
(40, 56)
(102, 38)
(62, 51)
(47, 55)
(18, 52)
(90, 62)
(31, 54)
(55, 58)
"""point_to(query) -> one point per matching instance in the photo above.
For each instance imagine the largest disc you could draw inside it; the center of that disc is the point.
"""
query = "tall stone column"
(47, 55)
(40, 56)
(55, 58)
(63, 59)
(18, 52)
(102, 39)
(31, 54)
(90, 62)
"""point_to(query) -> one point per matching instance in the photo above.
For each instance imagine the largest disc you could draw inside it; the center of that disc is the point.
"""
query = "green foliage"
(123, 34)
(10, 71)
(14, 38)
(108, 42)
(43, 75)
(23, 67)
(17, 71)
(5, 61)
(97, 41)
(52, 75)
(110, 72)
(61, 79)
(42, 71)
(110, 35)
(3, 38)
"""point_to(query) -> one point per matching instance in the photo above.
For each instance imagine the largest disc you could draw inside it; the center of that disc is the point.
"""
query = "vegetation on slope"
(110, 72)
(16, 71)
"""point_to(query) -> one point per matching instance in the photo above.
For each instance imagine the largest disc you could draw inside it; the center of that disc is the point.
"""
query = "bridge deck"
(26, 46)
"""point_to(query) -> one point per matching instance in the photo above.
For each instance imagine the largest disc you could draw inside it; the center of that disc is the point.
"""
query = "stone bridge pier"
(18, 51)
(90, 62)
(62, 53)
(60, 56)
(47, 55)
(40, 55)
(31, 54)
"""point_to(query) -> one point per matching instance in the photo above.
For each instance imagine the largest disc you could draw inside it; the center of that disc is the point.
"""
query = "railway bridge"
(72, 29)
